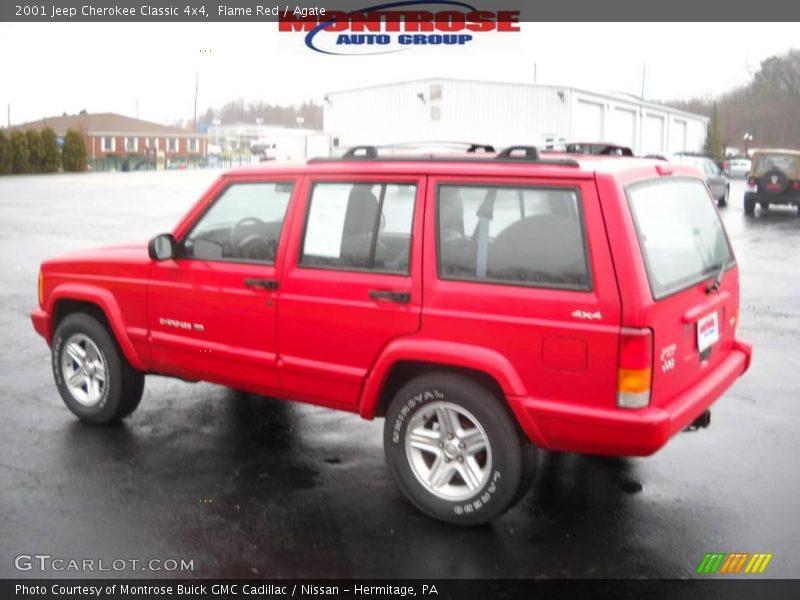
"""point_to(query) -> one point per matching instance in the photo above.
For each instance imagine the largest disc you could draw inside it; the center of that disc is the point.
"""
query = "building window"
(436, 91)
(193, 145)
(107, 144)
(131, 144)
(172, 144)
(152, 143)
(436, 113)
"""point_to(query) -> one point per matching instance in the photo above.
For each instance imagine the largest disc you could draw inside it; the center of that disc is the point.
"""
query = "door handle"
(267, 284)
(391, 296)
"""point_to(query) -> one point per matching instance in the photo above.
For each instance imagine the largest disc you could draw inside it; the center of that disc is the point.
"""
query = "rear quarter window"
(680, 233)
(513, 235)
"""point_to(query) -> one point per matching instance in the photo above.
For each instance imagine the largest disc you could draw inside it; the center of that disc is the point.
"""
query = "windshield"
(680, 233)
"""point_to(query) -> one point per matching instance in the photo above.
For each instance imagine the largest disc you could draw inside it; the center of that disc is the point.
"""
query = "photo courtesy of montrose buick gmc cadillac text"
(485, 304)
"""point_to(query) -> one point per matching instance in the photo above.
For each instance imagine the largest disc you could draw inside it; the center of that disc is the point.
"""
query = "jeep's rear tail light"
(41, 289)
(751, 184)
(635, 367)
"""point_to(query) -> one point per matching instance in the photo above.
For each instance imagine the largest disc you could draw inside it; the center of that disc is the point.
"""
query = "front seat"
(359, 226)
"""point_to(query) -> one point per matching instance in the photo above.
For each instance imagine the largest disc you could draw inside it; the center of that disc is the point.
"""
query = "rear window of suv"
(679, 232)
(787, 163)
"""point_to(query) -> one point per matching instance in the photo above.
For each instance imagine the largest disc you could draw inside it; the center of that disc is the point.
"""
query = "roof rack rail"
(368, 151)
(512, 154)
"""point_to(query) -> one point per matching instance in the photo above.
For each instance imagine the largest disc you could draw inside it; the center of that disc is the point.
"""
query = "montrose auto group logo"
(396, 26)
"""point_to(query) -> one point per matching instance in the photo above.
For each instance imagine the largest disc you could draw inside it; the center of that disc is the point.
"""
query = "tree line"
(237, 111)
(766, 107)
(35, 151)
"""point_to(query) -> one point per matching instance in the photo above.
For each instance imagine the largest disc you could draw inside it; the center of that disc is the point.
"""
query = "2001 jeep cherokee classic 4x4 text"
(485, 305)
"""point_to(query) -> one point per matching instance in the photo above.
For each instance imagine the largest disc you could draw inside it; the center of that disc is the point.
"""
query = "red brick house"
(110, 134)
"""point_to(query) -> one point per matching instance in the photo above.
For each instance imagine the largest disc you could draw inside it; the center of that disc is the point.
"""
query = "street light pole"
(747, 139)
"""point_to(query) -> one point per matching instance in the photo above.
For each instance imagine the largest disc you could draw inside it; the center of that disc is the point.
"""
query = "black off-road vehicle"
(774, 178)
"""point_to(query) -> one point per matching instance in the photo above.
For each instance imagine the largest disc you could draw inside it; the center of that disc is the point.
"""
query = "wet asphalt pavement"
(253, 487)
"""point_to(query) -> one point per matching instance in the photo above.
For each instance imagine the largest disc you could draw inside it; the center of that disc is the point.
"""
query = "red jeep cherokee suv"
(485, 305)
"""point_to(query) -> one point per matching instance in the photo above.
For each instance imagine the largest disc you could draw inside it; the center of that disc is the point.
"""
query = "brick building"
(109, 135)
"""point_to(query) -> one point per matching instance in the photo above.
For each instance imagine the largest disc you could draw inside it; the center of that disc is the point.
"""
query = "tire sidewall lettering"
(56, 361)
(484, 495)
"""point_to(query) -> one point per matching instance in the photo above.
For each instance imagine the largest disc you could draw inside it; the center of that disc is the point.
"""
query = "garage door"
(622, 127)
(677, 136)
(588, 123)
(653, 134)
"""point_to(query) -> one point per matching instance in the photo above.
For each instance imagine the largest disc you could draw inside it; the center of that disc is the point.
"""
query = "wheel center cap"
(90, 369)
(450, 451)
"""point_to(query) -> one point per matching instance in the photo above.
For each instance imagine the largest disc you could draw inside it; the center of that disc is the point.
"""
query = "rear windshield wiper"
(715, 285)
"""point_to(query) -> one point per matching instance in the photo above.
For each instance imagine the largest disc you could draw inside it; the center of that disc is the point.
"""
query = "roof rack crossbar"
(528, 153)
(361, 152)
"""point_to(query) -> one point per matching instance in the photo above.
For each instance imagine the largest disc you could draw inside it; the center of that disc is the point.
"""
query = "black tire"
(723, 201)
(507, 463)
(749, 206)
(118, 395)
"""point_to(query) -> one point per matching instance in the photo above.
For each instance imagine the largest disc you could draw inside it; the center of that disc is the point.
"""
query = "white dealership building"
(503, 114)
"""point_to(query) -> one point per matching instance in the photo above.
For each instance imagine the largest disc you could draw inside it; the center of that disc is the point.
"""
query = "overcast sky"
(51, 68)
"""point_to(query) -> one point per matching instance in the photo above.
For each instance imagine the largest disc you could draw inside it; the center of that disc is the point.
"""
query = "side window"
(243, 224)
(359, 226)
(516, 235)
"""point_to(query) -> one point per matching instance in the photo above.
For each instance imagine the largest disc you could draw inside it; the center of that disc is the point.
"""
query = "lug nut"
(450, 436)
(441, 444)
(462, 445)
(460, 459)
(447, 460)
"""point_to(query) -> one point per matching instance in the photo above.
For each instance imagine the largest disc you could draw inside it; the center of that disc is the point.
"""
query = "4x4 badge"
(584, 314)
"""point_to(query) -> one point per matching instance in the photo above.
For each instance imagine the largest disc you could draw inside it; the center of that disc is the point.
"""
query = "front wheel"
(93, 377)
(455, 450)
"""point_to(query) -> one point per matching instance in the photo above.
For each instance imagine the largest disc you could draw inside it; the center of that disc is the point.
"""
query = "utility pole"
(644, 71)
(196, 85)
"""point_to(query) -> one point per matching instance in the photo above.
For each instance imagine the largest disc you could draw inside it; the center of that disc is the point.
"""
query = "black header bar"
(200, 11)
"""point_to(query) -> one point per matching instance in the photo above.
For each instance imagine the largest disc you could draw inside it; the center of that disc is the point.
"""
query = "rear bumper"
(623, 432)
(41, 323)
(773, 199)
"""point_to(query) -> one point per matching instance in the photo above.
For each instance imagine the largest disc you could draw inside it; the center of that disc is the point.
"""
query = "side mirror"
(162, 247)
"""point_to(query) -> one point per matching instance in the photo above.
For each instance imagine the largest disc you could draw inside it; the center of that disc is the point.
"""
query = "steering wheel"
(241, 224)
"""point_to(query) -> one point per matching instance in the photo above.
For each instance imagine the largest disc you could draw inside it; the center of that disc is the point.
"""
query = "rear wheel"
(723, 201)
(93, 377)
(749, 206)
(455, 450)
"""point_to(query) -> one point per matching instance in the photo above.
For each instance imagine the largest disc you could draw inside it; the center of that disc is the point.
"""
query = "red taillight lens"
(751, 180)
(796, 185)
(635, 368)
